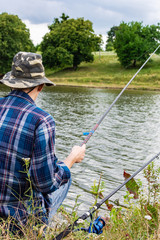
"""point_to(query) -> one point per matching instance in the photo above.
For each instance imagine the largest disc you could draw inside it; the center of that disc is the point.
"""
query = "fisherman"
(27, 146)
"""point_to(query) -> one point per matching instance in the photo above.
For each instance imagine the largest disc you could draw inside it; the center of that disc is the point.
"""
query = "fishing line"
(107, 111)
(87, 214)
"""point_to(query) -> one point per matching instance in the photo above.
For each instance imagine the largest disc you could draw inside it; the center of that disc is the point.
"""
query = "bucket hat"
(27, 71)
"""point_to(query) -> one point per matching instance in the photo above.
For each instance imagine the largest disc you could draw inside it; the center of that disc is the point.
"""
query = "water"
(127, 138)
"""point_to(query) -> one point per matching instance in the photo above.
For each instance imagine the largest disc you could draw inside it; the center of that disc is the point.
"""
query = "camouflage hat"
(27, 71)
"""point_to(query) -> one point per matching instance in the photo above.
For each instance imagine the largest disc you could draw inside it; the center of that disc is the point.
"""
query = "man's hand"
(79, 153)
(76, 156)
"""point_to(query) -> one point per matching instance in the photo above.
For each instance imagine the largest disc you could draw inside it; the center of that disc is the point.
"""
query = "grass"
(133, 219)
(106, 72)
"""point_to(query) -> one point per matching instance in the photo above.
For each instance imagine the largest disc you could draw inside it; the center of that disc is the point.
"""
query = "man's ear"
(40, 87)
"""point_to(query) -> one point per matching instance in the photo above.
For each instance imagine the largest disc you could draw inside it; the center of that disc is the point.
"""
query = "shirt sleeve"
(46, 173)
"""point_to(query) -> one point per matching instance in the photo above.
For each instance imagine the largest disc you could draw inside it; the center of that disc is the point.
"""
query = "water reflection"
(127, 138)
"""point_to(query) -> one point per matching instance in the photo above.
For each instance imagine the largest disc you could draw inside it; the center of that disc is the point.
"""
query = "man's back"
(19, 119)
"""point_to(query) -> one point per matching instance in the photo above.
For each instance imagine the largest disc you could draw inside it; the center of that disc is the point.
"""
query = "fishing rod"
(70, 228)
(107, 111)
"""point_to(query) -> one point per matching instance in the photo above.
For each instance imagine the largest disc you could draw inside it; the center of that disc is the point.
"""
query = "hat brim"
(13, 82)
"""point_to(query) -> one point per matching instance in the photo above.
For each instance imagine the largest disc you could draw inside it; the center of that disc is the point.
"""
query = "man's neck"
(33, 93)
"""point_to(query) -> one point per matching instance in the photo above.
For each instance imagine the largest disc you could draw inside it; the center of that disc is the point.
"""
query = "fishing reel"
(95, 227)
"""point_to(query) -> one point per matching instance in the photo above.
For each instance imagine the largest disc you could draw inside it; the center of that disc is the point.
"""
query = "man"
(27, 138)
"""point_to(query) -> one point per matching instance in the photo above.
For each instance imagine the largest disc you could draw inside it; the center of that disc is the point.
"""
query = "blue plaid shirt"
(27, 131)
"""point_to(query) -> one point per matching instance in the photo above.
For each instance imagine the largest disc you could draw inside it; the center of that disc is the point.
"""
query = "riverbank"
(106, 72)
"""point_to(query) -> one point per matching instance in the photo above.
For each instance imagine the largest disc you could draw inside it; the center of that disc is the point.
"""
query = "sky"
(104, 14)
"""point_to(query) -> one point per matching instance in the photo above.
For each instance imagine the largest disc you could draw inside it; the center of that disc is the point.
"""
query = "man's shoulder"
(42, 114)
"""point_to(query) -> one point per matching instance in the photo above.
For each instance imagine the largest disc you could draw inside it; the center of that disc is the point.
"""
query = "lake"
(127, 138)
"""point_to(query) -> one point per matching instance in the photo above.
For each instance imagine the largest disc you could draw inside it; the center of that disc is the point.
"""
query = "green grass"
(128, 219)
(106, 71)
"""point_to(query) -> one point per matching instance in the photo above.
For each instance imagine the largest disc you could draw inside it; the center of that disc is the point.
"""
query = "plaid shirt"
(27, 131)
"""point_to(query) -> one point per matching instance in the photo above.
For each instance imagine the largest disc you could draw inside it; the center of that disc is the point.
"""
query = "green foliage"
(111, 37)
(150, 204)
(109, 46)
(140, 220)
(34, 227)
(135, 219)
(59, 56)
(38, 48)
(97, 190)
(75, 208)
(14, 37)
(152, 176)
(134, 42)
(69, 42)
(132, 185)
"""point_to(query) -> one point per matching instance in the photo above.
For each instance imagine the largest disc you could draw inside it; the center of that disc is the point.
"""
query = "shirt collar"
(21, 94)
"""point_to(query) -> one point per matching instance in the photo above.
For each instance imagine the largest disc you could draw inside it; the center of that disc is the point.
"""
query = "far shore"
(105, 86)
(106, 72)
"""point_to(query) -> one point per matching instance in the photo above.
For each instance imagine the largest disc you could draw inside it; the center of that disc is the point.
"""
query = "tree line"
(72, 41)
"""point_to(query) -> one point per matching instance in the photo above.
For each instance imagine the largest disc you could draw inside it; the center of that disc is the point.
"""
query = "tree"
(72, 38)
(59, 56)
(134, 42)
(111, 37)
(14, 37)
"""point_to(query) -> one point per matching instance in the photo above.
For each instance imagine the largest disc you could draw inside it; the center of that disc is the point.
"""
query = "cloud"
(36, 11)
(102, 13)
(37, 31)
(98, 11)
